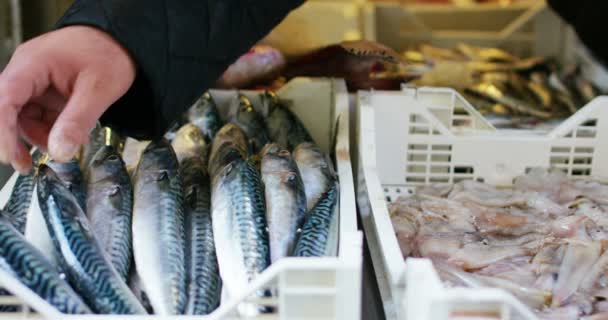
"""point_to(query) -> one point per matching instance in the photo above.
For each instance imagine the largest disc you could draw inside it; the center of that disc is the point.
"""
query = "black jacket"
(180, 46)
(587, 18)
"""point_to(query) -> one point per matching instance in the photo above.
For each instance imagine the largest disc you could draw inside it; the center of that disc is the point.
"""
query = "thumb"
(89, 100)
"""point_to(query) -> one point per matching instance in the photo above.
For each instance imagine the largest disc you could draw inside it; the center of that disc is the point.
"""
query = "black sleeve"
(180, 46)
(587, 17)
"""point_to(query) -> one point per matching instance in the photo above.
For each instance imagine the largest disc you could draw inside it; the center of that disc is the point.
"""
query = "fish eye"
(163, 175)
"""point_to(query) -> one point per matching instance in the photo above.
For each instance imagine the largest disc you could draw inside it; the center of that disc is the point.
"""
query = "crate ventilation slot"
(432, 163)
(574, 161)
(586, 130)
(420, 125)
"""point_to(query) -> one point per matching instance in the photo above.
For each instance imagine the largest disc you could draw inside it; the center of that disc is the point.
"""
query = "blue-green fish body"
(284, 127)
(239, 225)
(285, 200)
(251, 121)
(315, 235)
(204, 283)
(204, 114)
(27, 264)
(85, 262)
(158, 229)
(20, 199)
(110, 205)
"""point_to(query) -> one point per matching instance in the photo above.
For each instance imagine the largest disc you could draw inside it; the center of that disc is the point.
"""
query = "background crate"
(415, 137)
(525, 28)
(308, 288)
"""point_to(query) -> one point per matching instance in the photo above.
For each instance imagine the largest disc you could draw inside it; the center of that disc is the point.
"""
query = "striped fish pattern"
(239, 225)
(158, 229)
(110, 205)
(315, 233)
(204, 284)
(28, 265)
(21, 197)
(85, 262)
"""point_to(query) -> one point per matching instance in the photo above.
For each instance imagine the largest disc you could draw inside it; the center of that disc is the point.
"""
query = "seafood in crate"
(201, 240)
(432, 141)
(541, 240)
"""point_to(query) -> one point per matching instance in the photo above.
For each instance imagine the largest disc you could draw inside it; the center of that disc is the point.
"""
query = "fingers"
(35, 122)
(89, 100)
(20, 81)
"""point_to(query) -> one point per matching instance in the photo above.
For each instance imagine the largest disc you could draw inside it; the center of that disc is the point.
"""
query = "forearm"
(181, 47)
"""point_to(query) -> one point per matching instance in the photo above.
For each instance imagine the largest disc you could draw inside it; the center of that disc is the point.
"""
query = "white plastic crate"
(526, 27)
(415, 137)
(308, 288)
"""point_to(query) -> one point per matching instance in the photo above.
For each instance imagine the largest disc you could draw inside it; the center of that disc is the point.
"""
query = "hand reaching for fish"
(52, 96)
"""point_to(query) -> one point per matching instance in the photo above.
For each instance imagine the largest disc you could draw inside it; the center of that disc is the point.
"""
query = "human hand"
(54, 90)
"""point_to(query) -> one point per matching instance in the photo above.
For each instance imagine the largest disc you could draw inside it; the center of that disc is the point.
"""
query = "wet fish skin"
(137, 288)
(189, 142)
(316, 171)
(158, 229)
(110, 205)
(204, 283)
(252, 122)
(230, 143)
(72, 177)
(27, 264)
(239, 225)
(204, 114)
(285, 200)
(315, 233)
(20, 199)
(86, 264)
(97, 139)
(284, 127)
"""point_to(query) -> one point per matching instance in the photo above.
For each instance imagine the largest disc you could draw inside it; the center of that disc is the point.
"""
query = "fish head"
(47, 178)
(278, 167)
(189, 141)
(106, 163)
(230, 133)
(201, 107)
(245, 114)
(67, 171)
(225, 155)
(270, 101)
(158, 162)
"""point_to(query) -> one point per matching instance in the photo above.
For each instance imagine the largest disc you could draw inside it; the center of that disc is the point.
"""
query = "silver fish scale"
(37, 273)
(315, 233)
(19, 202)
(172, 235)
(109, 205)
(87, 268)
(20, 199)
(250, 210)
(204, 283)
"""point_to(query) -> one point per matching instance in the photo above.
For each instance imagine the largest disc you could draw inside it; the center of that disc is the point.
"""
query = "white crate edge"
(345, 267)
(424, 297)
